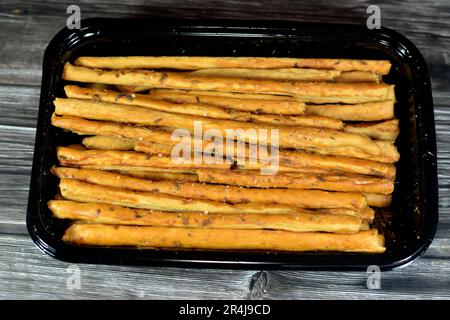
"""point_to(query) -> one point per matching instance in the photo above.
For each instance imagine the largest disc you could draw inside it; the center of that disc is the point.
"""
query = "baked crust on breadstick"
(267, 104)
(315, 92)
(76, 190)
(312, 199)
(289, 74)
(289, 137)
(108, 143)
(157, 175)
(370, 111)
(195, 63)
(378, 200)
(358, 183)
(303, 221)
(386, 130)
(230, 239)
(159, 142)
(208, 111)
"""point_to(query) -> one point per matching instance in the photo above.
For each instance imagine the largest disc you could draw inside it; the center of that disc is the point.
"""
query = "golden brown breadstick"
(149, 136)
(316, 92)
(120, 160)
(132, 89)
(195, 63)
(201, 109)
(358, 76)
(303, 120)
(389, 152)
(110, 129)
(222, 94)
(143, 100)
(153, 148)
(286, 74)
(365, 214)
(370, 111)
(155, 175)
(289, 137)
(76, 190)
(147, 170)
(298, 222)
(153, 141)
(228, 194)
(108, 143)
(351, 182)
(299, 159)
(344, 164)
(231, 239)
(378, 200)
(269, 105)
(73, 157)
(386, 130)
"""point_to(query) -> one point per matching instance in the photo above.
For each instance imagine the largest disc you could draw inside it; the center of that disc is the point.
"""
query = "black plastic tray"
(408, 232)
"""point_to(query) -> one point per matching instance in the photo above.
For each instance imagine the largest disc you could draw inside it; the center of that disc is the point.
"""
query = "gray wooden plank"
(26, 273)
(19, 106)
(27, 27)
(423, 279)
(17, 145)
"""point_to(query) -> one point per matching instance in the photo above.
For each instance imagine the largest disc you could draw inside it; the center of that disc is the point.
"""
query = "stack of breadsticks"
(336, 125)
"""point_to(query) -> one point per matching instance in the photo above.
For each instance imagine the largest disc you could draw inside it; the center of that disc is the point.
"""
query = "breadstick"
(110, 129)
(286, 74)
(386, 130)
(365, 214)
(378, 200)
(344, 164)
(307, 91)
(132, 89)
(154, 148)
(108, 143)
(289, 137)
(200, 109)
(389, 152)
(370, 111)
(222, 94)
(269, 105)
(358, 183)
(358, 76)
(153, 141)
(288, 158)
(72, 157)
(299, 159)
(290, 74)
(227, 194)
(195, 63)
(146, 170)
(297, 222)
(230, 239)
(153, 175)
(76, 190)
(123, 160)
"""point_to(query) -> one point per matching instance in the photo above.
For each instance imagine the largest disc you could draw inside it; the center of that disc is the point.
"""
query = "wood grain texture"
(26, 28)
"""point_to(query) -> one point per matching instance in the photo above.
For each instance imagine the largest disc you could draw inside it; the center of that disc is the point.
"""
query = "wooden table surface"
(25, 30)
